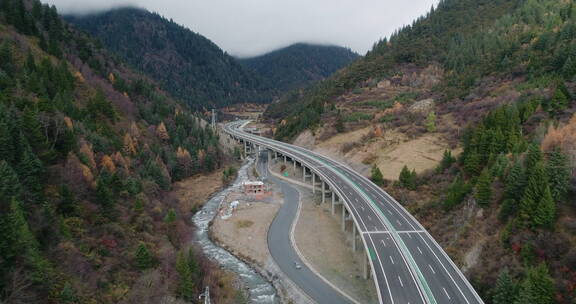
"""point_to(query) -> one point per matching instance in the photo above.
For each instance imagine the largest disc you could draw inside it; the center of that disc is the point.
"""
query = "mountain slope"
(88, 152)
(299, 65)
(187, 64)
(426, 41)
(469, 114)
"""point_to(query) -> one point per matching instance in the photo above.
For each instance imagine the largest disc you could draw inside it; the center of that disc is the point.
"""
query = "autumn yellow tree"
(129, 147)
(107, 164)
(162, 132)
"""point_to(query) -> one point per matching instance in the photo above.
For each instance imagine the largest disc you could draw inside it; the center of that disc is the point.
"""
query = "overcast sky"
(252, 27)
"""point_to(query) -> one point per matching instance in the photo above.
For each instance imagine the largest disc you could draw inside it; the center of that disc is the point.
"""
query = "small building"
(253, 187)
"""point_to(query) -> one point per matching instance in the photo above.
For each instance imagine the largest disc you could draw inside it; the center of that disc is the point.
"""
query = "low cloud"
(251, 27)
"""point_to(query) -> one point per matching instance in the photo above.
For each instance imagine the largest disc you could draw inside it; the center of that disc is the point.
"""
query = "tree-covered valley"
(89, 150)
(197, 71)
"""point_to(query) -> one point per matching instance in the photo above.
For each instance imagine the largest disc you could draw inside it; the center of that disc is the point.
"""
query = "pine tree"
(186, 273)
(472, 164)
(456, 193)
(31, 172)
(499, 166)
(533, 157)
(569, 69)
(104, 195)
(558, 174)
(506, 289)
(32, 128)
(377, 176)
(545, 214)
(561, 85)
(7, 149)
(30, 63)
(447, 160)
(515, 182)
(537, 287)
(484, 188)
(9, 184)
(144, 258)
(6, 59)
(407, 178)
(534, 193)
(18, 242)
(68, 205)
(558, 103)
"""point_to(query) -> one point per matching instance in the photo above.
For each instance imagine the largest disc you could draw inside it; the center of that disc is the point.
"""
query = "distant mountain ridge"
(196, 70)
(189, 66)
(300, 64)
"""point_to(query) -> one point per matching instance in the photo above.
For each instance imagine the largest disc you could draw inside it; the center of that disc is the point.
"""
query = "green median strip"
(372, 254)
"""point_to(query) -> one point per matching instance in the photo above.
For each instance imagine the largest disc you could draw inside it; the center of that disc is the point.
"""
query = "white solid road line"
(386, 204)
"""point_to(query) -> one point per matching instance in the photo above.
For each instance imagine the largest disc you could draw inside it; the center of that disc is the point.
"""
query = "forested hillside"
(428, 40)
(88, 151)
(299, 65)
(188, 65)
(495, 81)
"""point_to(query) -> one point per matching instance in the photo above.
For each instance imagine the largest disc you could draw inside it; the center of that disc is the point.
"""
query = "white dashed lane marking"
(434, 272)
(446, 293)
(391, 259)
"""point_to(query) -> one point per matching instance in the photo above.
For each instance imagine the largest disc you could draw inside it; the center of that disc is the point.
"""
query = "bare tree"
(17, 288)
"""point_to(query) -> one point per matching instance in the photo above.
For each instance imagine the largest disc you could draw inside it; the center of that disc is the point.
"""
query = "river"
(259, 289)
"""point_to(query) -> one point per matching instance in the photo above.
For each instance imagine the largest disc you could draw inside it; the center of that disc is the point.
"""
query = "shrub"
(358, 116)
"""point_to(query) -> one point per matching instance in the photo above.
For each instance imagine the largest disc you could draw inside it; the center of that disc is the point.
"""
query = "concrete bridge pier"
(323, 192)
(313, 183)
(335, 201)
(345, 217)
(354, 233)
(365, 264)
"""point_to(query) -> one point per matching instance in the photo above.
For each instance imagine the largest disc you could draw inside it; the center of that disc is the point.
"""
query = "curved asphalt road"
(281, 248)
(408, 265)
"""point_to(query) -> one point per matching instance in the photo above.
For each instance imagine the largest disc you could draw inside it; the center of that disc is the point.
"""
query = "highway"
(281, 248)
(408, 265)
